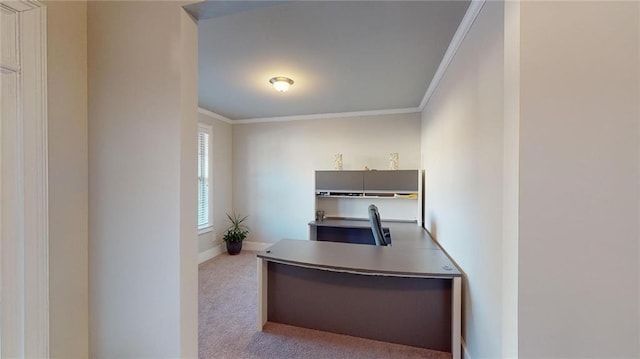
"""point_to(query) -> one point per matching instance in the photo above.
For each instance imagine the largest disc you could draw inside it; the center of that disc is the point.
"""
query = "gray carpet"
(228, 316)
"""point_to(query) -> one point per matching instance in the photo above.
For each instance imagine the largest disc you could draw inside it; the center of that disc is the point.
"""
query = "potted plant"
(235, 233)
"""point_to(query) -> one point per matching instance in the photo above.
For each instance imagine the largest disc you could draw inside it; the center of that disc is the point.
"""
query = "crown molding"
(324, 116)
(464, 27)
(214, 115)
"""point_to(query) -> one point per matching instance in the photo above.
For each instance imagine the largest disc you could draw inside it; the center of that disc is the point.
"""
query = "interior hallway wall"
(142, 180)
(221, 171)
(462, 145)
(579, 167)
(188, 174)
(274, 164)
(68, 179)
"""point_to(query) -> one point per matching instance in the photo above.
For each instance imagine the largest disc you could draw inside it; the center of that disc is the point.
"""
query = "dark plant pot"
(234, 248)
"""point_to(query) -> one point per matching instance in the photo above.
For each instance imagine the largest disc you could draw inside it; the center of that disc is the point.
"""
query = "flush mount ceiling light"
(281, 84)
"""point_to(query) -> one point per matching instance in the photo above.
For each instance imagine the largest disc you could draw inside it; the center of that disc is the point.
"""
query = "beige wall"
(531, 150)
(188, 294)
(462, 145)
(274, 163)
(510, 179)
(579, 178)
(68, 178)
(142, 180)
(221, 170)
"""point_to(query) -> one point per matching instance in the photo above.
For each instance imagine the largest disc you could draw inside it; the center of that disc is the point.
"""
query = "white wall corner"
(456, 41)
(209, 253)
(465, 352)
(511, 179)
(214, 115)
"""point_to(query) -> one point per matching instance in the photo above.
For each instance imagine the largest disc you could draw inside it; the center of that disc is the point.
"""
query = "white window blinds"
(204, 175)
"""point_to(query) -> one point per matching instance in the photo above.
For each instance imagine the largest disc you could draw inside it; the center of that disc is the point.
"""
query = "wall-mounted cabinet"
(339, 181)
(367, 182)
(347, 194)
(403, 181)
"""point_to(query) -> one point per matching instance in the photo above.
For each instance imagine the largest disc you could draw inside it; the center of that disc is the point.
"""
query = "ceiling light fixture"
(281, 84)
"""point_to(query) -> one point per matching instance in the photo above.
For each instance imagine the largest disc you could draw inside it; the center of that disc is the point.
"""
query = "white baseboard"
(255, 246)
(209, 253)
(221, 248)
(465, 352)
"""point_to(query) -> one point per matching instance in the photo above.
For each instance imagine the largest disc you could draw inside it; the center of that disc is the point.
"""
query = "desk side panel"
(263, 285)
(408, 311)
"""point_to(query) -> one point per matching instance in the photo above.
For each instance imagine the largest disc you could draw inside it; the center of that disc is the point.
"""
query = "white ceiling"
(343, 56)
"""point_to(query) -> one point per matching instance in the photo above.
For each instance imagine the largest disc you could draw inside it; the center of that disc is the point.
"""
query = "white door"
(24, 324)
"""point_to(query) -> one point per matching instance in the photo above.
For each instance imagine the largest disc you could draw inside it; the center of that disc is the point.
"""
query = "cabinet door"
(339, 181)
(402, 181)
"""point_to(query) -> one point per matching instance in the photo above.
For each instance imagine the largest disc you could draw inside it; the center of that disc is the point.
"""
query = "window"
(204, 178)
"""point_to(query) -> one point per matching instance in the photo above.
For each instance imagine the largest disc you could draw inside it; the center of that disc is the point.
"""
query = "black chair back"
(376, 226)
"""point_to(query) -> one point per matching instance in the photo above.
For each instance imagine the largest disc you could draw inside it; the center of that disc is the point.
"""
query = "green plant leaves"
(237, 230)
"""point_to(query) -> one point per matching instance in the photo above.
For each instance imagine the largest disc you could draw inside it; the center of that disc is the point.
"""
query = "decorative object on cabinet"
(393, 161)
(235, 233)
(337, 161)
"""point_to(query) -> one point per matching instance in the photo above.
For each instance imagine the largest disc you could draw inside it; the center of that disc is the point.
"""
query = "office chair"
(380, 236)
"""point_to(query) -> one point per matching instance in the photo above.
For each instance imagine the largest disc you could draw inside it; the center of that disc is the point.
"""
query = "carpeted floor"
(228, 316)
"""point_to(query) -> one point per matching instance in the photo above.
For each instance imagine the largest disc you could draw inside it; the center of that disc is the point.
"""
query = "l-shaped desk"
(403, 234)
(408, 293)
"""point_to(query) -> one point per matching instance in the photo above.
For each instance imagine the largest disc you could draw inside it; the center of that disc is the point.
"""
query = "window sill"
(204, 230)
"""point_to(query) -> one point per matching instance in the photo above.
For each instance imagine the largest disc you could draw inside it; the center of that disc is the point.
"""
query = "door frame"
(28, 335)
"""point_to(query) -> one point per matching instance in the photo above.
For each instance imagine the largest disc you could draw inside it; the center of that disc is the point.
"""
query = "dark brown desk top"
(403, 234)
(362, 259)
